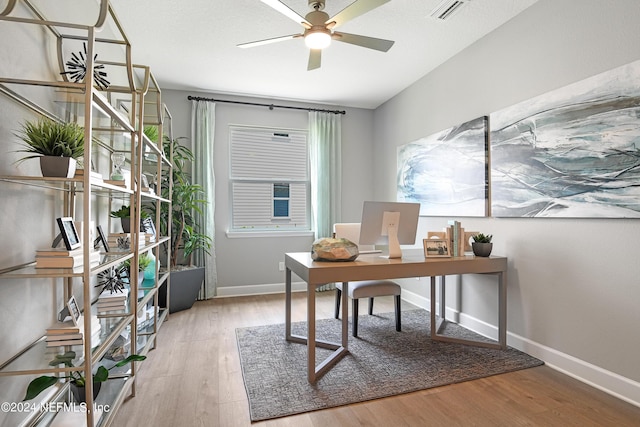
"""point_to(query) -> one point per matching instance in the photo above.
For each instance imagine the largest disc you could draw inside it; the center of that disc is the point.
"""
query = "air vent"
(446, 9)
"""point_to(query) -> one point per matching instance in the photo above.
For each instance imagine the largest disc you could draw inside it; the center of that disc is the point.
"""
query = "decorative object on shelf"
(436, 248)
(124, 243)
(124, 213)
(112, 279)
(186, 199)
(330, 249)
(101, 239)
(42, 383)
(482, 245)
(77, 66)
(118, 160)
(69, 233)
(58, 145)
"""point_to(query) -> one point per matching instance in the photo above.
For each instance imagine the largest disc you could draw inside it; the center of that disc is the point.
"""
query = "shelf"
(36, 357)
(29, 271)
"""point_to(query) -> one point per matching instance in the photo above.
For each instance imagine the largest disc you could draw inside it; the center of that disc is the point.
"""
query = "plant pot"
(126, 224)
(79, 393)
(58, 167)
(482, 249)
(185, 286)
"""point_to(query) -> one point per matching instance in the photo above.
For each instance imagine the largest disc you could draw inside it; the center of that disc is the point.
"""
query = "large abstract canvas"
(573, 152)
(446, 172)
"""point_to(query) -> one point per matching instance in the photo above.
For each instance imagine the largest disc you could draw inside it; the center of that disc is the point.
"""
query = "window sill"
(258, 234)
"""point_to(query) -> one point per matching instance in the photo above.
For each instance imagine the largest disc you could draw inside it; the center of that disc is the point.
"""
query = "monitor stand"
(394, 244)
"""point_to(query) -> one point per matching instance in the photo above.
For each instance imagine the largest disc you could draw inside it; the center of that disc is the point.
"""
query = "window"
(269, 179)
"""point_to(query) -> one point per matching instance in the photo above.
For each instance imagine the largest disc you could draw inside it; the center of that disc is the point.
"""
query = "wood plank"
(193, 378)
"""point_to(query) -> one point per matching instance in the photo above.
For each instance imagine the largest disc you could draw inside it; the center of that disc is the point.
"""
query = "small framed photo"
(69, 233)
(101, 239)
(436, 248)
(74, 310)
(147, 226)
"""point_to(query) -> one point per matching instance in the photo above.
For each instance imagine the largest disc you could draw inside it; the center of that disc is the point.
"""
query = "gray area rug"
(381, 362)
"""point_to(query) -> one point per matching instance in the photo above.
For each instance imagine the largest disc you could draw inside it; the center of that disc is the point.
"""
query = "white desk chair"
(366, 288)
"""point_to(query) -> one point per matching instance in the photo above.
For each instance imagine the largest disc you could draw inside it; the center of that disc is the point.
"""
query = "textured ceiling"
(191, 45)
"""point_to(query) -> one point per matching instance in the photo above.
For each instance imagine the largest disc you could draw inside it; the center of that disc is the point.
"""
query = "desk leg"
(311, 333)
(287, 308)
(345, 314)
(433, 307)
(502, 309)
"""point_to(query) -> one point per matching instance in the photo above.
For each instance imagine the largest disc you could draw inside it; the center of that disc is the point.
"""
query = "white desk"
(372, 267)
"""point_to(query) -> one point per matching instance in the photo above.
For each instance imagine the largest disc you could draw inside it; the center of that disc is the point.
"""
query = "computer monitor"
(389, 223)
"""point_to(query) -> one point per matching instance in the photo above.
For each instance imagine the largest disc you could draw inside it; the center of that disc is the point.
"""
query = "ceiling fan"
(319, 28)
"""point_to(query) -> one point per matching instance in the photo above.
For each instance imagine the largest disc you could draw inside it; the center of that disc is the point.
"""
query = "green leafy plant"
(482, 238)
(49, 138)
(42, 383)
(123, 212)
(151, 132)
(144, 261)
(187, 200)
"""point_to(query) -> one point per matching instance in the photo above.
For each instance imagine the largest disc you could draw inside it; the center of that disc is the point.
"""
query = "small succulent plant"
(482, 238)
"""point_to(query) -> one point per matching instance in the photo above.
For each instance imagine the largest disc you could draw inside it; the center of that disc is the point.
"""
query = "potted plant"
(482, 245)
(124, 213)
(187, 200)
(76, 378)
(58, 145)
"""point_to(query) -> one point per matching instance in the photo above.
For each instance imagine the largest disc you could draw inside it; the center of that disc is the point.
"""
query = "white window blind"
(261, 158)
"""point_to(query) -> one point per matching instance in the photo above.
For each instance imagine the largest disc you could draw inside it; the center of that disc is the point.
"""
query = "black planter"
(79, 393)
(482, 249)
(185, 286)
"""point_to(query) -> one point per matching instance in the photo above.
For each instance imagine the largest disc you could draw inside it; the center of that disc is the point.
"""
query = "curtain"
(202, 136)
(325, 142)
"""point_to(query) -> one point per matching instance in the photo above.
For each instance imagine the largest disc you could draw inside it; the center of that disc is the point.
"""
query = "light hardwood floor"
(193, 378)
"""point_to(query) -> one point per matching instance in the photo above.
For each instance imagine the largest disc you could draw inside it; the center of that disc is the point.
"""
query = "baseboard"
(245, 290)
(611, 383)
(602, 379)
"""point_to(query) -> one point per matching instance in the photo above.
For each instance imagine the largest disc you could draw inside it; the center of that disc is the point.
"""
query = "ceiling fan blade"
(364, 41)
(315, 56)
(267, 41)
(355, 9)
(288, 12)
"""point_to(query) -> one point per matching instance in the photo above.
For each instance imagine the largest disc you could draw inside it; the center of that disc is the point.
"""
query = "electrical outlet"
(281, 266)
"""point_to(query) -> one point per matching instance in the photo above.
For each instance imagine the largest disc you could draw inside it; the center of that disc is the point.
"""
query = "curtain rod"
(270, 106)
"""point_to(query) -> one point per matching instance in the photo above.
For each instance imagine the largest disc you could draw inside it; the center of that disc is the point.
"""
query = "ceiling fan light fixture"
(317, 39)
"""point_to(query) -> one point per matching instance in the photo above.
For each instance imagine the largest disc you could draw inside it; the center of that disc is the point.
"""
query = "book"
(66, 261)
(65, 342)
(116, 182)
(63, 337)
(63, 328)
(58, 252)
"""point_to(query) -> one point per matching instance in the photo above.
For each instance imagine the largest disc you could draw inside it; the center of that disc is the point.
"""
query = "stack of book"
(115, 240)
(66, 333)
(62, 258)
(116, 301)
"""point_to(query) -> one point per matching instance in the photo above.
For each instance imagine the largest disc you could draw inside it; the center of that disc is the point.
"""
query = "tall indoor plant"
(187, 200)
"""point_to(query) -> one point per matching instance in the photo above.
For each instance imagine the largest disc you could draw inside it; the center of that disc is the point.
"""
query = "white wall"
(250, 265)
(566, 299)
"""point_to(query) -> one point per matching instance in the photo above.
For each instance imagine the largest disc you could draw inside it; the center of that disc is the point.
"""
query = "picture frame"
(436, 248)
(147, 226)
(69, 233)
(74, 310)
(102, 238)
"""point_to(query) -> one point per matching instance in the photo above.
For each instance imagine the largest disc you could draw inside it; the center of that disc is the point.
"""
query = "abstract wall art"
(573, 152)
(446, 172)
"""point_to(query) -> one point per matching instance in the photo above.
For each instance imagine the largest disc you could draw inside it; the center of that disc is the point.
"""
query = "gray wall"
(250, 265)
(565, 298)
